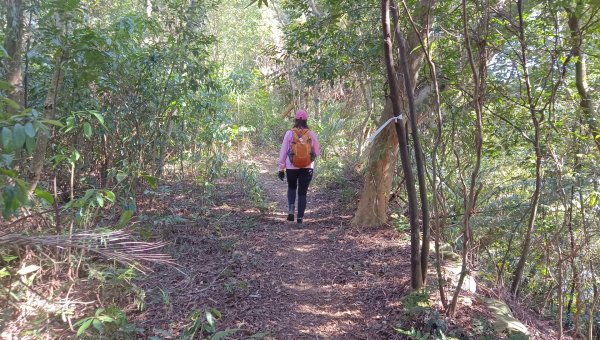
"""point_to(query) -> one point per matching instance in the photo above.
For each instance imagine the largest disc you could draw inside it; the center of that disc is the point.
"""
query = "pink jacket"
(284, 160)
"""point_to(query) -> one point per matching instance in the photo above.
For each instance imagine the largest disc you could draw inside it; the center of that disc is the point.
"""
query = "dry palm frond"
(118, 245)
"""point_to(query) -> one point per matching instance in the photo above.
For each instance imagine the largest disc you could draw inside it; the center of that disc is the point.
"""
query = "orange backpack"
(300, 153)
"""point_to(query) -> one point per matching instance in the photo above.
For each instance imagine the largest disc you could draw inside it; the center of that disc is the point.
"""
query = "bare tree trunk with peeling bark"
(374, 197)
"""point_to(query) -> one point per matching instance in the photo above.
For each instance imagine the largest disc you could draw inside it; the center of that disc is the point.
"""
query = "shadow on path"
(318, 280)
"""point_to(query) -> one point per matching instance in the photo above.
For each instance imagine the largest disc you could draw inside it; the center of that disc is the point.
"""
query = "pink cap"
(301, 114)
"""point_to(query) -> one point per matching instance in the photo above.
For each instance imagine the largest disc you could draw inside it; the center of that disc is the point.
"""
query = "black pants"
(298, 180)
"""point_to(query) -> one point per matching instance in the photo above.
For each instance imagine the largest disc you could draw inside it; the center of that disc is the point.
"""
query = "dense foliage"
(100, 101)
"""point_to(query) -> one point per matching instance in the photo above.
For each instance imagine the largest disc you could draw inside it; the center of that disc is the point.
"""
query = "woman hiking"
(299, 149)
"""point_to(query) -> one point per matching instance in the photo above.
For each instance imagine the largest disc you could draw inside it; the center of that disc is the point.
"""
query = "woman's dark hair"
(300, 124)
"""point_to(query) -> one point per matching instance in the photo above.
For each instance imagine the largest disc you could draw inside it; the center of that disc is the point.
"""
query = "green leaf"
(52, 122)
(70, 121)
(215, 312)
(29, 130)
(109, 195)
(6, 160)
(221, 335)
(19, 136)
(152, 181)
(98, 325)
(7, 137)
(210, 322)
(5, 86)
(74, 157)
(8, 258)
(105, 318)
(46, 196)
(9, 173)
(125, 218)
(11, 103)
(100, 200)
(4, 272)
(84, 326)
(99, 117)
(87, 129)
(30, 144)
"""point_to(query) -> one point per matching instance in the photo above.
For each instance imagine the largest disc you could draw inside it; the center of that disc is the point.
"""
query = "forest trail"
(275, 279)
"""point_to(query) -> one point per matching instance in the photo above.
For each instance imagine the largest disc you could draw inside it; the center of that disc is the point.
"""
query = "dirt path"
(272, 278)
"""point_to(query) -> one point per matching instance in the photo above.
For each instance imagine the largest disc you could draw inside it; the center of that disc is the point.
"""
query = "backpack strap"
(297, 135)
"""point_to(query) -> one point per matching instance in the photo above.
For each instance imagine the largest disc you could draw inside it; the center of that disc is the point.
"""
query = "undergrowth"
(422, 320)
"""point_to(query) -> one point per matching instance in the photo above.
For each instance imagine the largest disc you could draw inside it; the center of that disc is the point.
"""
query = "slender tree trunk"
(39, 156)
(316, 90)
(559, 291)
(420, 162)
(470, 194)
(13, 42)
(591, 321)
(535, 198)
(586, 103)
(314, 9)
(365, 86)
(575, 284)
(547, 296)
(162, 148)
(416, 274)
(437, 205)
(148, 8)
(374, 196)
(105, 165)
(26, 60)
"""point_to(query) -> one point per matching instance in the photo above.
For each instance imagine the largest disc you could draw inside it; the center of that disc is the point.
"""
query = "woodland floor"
(272, 278)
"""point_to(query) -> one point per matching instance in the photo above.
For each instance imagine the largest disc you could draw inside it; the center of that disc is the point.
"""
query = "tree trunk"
(415, 260)
(575, 284)
(470, 193)
(366, 88)
(591, 322)
(372, 208)
(39, 156)
(586, 103)
(162, 148)
(148, 8)
(559, 291)
(13, 42)
(314, 9)
(374, 197)
(419, 161)
(535, 198)
(438, 204)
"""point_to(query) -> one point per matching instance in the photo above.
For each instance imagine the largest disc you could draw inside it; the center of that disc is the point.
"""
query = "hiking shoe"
(290, 217)
(299, 220)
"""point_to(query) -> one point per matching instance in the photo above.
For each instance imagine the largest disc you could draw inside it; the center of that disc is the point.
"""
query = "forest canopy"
(491, 162)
